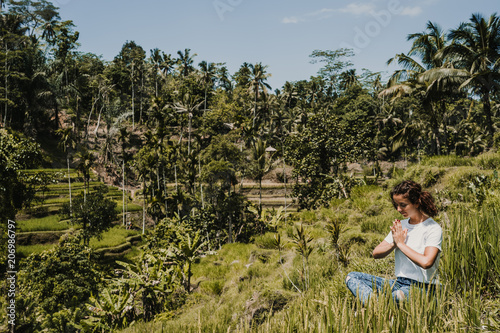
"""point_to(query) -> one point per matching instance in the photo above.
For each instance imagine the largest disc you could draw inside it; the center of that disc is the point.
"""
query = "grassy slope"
(245, 288)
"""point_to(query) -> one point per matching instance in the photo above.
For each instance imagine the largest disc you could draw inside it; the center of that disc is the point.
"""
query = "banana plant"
(188, 250)
(112, 308)
(151, 280)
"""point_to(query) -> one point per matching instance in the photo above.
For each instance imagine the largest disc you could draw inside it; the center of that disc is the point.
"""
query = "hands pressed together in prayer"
(398, 234)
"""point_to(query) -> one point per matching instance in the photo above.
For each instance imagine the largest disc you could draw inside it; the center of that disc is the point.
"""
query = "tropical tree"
(185, 62)
(186, 252)
(335, 62)
(261, 163)
(257, 84)
(58, 279)
(151, 281)
(68, 143)
(188, 105)
(207, 78)
(94, 212)
(411, 80)
(475, 50)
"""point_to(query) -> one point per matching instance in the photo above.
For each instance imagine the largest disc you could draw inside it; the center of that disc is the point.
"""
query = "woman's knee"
(351, 275)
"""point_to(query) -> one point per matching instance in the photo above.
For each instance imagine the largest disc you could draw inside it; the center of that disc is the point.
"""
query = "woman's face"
(405, 207)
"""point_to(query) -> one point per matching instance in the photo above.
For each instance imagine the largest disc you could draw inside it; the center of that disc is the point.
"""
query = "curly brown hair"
(413, 192)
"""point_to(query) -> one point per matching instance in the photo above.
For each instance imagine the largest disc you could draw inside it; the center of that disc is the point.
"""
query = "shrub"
(265, 241)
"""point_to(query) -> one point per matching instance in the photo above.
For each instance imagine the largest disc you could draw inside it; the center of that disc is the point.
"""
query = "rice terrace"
(164, 188)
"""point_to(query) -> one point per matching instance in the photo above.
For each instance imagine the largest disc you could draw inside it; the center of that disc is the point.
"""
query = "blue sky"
(279, 33)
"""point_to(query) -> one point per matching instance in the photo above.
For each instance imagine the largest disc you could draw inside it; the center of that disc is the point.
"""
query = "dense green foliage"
(55, 284)
(92, 211)
(184, 137)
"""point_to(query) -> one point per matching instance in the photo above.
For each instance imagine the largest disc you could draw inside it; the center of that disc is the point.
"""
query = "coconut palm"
(189, 104)
(155, 59)
(411, 80)
(261, 164)
(68, 143)
(348, 79)
(208, 76)
(224, 79)
(185, 62)
(475, 50)
(258, 84)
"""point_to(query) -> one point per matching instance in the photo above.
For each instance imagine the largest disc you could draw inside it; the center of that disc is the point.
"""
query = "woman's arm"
(425, 260)
(383, 249)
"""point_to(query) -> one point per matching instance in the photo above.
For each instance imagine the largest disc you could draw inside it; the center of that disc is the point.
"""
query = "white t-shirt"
(427, 233)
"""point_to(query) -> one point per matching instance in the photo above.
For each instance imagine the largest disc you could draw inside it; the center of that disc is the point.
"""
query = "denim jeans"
(364, 285)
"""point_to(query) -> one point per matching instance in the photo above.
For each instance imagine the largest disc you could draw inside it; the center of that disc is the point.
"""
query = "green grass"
(489, 160)
(48, 223)
(26, 250)
(113, 237)
(237, 286)
(245, 288)
(447, 161)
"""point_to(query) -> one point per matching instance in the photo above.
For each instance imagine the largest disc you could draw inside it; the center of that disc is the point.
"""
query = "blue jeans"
(364, 285)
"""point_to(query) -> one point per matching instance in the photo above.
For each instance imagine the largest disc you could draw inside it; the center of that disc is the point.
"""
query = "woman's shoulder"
(430, 223)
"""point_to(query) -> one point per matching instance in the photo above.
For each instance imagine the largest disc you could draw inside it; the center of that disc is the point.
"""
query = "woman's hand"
(398, 234)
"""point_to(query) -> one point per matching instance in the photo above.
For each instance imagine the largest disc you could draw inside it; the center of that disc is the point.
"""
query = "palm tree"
(208, 76)
(68, 142)
(13, 41)
(86, 163)
(189, 104)
(242, 76)
(348, 79)
(123, 137)
(224, 79)
(185, 62)
(258, 84)
(428, 46)
(411, 80)
(261, 164)
(155, 59)
(475, 50)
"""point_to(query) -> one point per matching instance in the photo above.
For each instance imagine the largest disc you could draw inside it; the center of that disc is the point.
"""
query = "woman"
(417, 244)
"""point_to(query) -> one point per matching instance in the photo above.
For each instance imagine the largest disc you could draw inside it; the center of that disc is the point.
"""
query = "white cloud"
(291, 19)
(358, 8)
(325, 13)
(320, 14)
(411, 11)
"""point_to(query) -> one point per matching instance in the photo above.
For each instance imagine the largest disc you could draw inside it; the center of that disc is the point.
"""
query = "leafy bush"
(265, 241)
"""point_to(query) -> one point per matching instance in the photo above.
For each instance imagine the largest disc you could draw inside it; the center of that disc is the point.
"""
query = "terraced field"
(41, 226)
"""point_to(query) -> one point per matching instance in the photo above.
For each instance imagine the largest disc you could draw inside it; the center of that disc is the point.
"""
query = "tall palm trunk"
(69, 185)
(143, 205)
(487, 113)
(133, 97)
